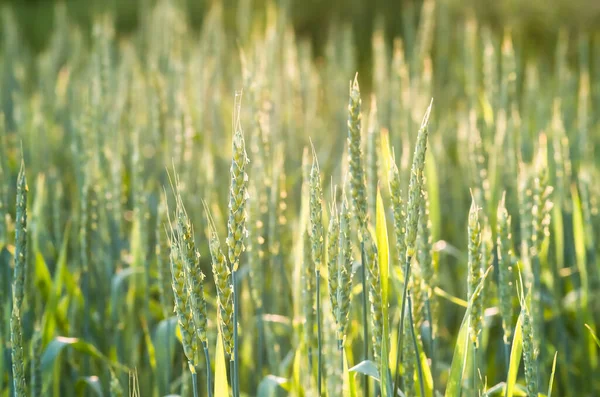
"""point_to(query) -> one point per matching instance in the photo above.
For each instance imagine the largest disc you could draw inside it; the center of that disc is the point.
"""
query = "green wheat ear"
(16, 328)
(222, 277)
(345, 273)
(505, 274)
(355, 156)
(238, 196)
(475, 274)
(415, 185)
(333, 254)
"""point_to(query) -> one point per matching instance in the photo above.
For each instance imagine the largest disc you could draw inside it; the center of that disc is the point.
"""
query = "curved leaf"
(221, 385)
(366, 367)
(56, 346)
(271, 386)
(515, 359)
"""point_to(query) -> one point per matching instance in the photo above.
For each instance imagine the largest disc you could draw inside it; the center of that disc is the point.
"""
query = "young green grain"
(18, 291)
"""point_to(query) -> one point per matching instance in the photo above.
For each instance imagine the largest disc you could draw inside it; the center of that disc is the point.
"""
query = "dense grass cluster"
(206, 215)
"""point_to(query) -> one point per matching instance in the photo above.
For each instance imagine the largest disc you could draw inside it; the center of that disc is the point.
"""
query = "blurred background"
(534, 23)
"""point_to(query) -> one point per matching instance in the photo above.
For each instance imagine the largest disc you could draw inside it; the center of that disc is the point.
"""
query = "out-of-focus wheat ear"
(478, 162)
(162, 258)
(529, 350)
(317, 244)
(355, 157)
(490, 67)
(474, 272)
(424, 247)
(18, 288)
(474, 276)
(116, 390)
(506, 287)
(372, 161)
(256, 266)
(540, 216)
(222, 277)
(308, 297)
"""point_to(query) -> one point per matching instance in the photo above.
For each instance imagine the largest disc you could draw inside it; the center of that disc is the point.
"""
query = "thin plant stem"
(319, 342)
(416, 345)
(365, 319)
(231, 374)
(195, 382)
(474, 370)
(507, 363)
(260, 344)
(341, 350)
(401, 323)
(235, 381)
(168, 369)
(208, 370)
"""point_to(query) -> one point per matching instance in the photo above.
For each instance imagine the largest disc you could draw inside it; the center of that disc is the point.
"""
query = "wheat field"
(218, 213)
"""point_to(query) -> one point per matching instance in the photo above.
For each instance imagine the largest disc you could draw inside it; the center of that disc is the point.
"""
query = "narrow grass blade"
(366, 367)
(552, 375)
(348, 389)
(594, 337)
(221, 385)
(515, 359)
(383, 252)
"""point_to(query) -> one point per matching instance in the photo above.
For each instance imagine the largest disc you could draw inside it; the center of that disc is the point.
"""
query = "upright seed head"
(424, 256)
(223, 283)
(344, 289)
(238, 195)
(255, 252)
(16, 328)
(542, 206)
(474, 230)
(374, 282)
(17, 356)
(193, 274)
(355, 157)
(182, 308)
(308, 292)
(410, 358)
(316, 214)
(505, 261)
(20, 238)
(333, 250)
(414, 186)
(399, 214)
(529, 353)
